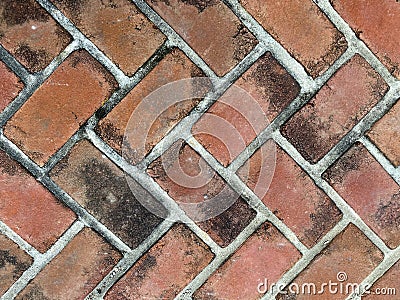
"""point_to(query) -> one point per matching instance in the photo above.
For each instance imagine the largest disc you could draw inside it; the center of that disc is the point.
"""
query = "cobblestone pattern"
(330, 89)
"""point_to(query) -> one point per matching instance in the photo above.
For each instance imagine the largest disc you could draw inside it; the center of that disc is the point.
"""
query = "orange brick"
(75, 271)
(29, 33)
(165, 269)
(210, 28)
(60, 106)
(376, 23)
(266, 255)
(386, 134)
(118, 28)
(13, 262)
(336, 108)
(10, 86)
(101, 187)
(372, 193)
(28, 208)
(302, 29)
(350, 252)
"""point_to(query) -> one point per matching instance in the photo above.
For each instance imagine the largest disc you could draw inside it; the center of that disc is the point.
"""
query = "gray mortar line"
(389, 260)
(306, 259)
(42, 260)
(380, 158)
(24, 245)
(14, 65)
(128, 260)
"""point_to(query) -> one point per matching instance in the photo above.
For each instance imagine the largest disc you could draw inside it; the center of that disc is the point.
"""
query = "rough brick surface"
(28, 208)
(265, 255)
(386, 134)
(117, 28)
(380, 290)
(375, 22)
(30, 34)
(336, 108)
(175, 66)
(373, 194)
(210, 28)
(75, 271)
(10, 86)
(296, 200)
(101, 187)
(350, 252)
(165, 269)
(13, 262)
(62, 104)
(302, 29)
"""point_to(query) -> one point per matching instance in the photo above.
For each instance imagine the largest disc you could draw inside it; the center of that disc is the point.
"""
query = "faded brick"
(10, 86)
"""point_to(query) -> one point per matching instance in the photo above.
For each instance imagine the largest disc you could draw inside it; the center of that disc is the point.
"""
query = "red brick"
(210, 28)
(28, 32)
(13, 262)
(118, 28)
(256, 98)
(101, 187)
(350, 252)
(60, 106)
(296, 200)
(372, 193)
(28, 208)
(265, 255)
(389, 280)
(165, 269)
(336, 108)
(10, 86)
(302, 29)
(75, 271)
(175, 66)
(376, 23)
(386, 134)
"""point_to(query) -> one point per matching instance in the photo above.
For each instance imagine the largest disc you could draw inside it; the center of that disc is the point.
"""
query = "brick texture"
(335, 109)
(10, 86)
(210, 28)
(165, 269)
(28, 208)
(75, 271)
(30, 34)
(124, 34)
(380, 290)
(62, 104)
(373, 194)
(302, 29)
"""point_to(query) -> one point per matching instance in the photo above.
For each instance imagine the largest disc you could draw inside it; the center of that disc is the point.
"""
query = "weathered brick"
(210, 28)
(390, 280)
(13, 262)
(10, 86)
(165, 269)
(350, 252)
(386, 134)
(30, 34)
(302, 29)
(60, 106)
(199, 184)
(175, 66)
(28, 208)
(369, 190)
(267, 89)
(265, 255)
(117, 27)
(337, 107)
(376, 23)
(75, 271)
(296, 200)
(101, 187)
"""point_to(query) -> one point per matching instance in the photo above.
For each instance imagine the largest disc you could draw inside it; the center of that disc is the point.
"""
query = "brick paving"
(106, 184)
